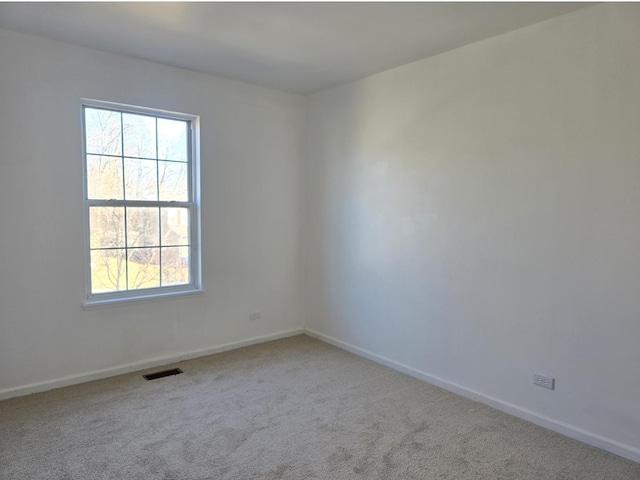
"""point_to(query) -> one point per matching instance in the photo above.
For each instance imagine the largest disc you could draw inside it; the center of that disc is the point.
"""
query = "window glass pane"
(102, 132)
(139, 135)
(175, 265)
(138, 166)
(106, 227)
(173, 181)
(141, 179)
(172, 140)
(144, 268)
(104, 178)
(143, 227)
(108, 271)
(175, 226)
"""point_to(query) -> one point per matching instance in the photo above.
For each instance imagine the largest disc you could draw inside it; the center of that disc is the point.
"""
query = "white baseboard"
(571, 431)
(132, 367)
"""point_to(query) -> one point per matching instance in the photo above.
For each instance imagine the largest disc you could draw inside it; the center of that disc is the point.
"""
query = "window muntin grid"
(140, 202)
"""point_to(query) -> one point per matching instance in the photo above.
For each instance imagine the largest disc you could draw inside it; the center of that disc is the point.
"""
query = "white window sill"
(149, 297)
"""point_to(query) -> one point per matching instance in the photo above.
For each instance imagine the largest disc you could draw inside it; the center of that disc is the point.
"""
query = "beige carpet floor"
(291, 409)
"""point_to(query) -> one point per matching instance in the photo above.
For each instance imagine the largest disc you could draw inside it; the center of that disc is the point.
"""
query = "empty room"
(319, 241)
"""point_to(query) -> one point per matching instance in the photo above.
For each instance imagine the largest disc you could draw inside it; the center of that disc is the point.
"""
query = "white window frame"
(94, 300)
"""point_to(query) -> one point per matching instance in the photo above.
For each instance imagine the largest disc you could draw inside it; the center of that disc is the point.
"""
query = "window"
(141, 185)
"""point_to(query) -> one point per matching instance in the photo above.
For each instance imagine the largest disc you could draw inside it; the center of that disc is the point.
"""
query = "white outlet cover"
(544, 381)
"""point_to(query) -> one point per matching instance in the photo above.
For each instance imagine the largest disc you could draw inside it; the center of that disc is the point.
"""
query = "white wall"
(471, 218)
(250, 146)
(475, 217)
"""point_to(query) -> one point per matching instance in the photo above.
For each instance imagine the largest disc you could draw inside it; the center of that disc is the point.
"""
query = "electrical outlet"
(254, 316)
(544, 381)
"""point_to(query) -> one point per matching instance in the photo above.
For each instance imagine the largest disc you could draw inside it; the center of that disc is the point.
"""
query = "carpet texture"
(291, 409)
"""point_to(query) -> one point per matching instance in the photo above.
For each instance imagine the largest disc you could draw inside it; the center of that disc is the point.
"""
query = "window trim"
(95, 300)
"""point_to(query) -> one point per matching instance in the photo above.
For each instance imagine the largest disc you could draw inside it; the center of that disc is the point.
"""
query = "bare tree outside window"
(139, 200)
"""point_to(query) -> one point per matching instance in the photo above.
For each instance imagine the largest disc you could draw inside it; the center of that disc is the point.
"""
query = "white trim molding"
(135, 366)
(571, 431)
